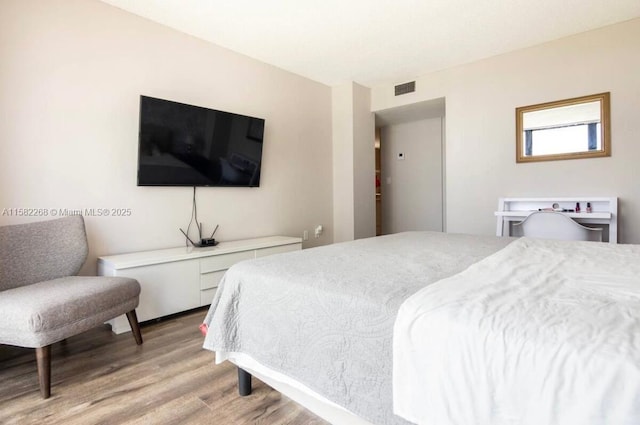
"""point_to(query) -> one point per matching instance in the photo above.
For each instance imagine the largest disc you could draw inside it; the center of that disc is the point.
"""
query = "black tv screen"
(185, 145)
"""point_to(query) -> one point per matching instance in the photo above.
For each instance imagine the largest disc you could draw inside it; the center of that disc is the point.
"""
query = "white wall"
(71, 75)
(353, 163)
(412, 187)
(342, 131)
(364, 167)
(481, 98)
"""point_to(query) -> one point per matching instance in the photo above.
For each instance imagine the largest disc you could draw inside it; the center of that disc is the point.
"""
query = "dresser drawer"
(207, 295)
(211, 279)
(224, 261)
(278, 249)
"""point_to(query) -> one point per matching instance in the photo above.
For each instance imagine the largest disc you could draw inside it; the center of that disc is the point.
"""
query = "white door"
(412, 176)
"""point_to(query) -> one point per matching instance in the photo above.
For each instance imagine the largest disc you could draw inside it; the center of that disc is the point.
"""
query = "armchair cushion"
(46, 312)
(44, 250)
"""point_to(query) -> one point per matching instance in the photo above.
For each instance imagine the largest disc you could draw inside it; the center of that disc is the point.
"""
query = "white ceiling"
(378, 41)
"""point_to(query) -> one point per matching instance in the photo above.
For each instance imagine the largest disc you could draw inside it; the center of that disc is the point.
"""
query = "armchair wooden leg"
(135, 327)
(43, 358)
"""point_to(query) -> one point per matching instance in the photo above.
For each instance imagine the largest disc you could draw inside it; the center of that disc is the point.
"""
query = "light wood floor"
(99, 377)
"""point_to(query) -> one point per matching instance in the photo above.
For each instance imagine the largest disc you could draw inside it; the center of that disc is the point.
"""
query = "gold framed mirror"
(564, 129)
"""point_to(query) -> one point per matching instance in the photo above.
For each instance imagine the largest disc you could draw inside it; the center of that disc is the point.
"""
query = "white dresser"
(179, 279)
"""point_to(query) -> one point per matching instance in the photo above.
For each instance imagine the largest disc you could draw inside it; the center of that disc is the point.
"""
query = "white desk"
(603, 211)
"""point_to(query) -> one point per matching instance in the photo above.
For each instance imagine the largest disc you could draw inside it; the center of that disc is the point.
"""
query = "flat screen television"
(185, 145)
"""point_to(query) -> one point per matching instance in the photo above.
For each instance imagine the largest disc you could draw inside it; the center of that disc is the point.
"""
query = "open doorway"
(410, 167)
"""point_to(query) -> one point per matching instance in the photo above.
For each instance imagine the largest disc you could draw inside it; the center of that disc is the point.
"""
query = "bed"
(318, 325)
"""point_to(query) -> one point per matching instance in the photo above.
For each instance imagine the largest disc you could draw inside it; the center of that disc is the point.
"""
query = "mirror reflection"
(565, 129)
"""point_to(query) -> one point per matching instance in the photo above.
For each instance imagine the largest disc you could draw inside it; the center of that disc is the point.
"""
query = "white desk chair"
(555, 225)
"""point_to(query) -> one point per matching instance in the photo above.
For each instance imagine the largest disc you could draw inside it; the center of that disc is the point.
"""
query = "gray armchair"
(42, 301)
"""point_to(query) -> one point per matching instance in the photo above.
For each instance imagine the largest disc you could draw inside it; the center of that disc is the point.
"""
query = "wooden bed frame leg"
(244, 382)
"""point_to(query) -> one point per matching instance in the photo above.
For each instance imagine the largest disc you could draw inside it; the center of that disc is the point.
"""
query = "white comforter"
(542, 332)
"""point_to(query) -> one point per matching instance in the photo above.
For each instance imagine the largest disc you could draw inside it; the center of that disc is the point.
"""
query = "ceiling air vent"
(405, 88)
